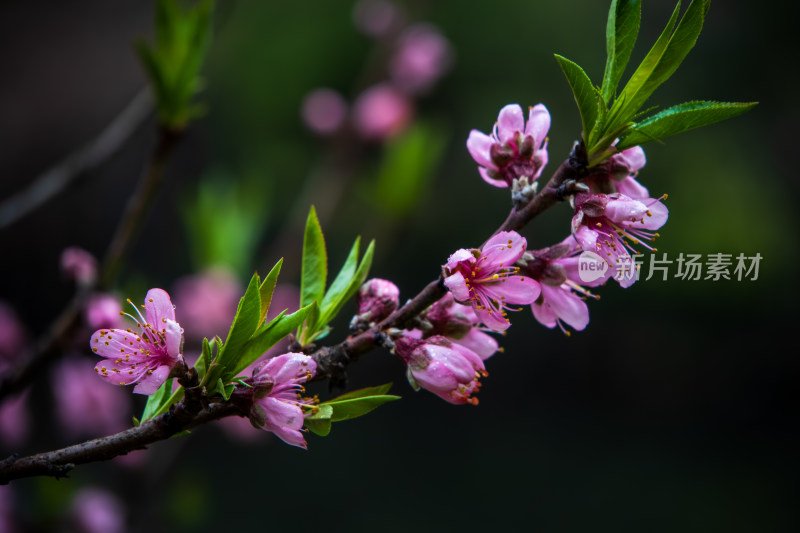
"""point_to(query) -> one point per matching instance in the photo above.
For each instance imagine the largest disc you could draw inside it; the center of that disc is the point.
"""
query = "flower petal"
(544, 314)
(492, 320)
(158, 307)
(567, 306)
(458, 286)
(519, 290)
(479, 145)
(538, 124)
(624, 209)
(290, 367)
(483, 344)
(510, 121)
(174, 335)
(151, 382)
(490, 180)
(457, 257)
(503, 250)
(632, 188)
(119, 343)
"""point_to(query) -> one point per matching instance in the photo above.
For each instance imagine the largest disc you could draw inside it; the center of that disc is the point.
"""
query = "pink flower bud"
(381, 112)
(449, 370)
(377, 298)
(79, 265)
(324, 111)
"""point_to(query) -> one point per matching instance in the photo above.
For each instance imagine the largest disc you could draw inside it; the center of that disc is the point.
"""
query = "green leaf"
(355, 407)
(244, 324)
(267, 288)
(341, 283)
(315, 262)
(320, 422)
(361, 393)
(680, 118)
(156, 400)
(266, 338)
(622, 29)
(586, 96)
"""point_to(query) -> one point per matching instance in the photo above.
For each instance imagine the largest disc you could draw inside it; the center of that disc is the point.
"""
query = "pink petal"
(633, 158)
(538, 124)
(479, 342)
(158, 306)
(632, 188)
(587, 238)
(150, 383)
(509, 122)
(458, 286)
(174, 335)
(624, 209)
(460, 366)
(503, 249)
(471, 357)
(117, 343)
(282, 414)
(544, 315)
(458, 256)
(492, 320)
(571, 268)
(479, 145)
(658, 217)
(490, 180)
(435, 377)
(519, 290)
(287, 367)
(567, 306)
(542, 157)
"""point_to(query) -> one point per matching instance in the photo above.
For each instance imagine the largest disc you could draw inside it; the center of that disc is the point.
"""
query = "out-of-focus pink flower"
(381, 112)
(102, 311)
(207, 302)
(98, 511)
(79, 265)
(459, 324)
(563, 292)
(447, 369)
(7, 502)
(277, 396)
(376, 17)
(14, 420)
(488, 279)
(145, 356)
(84, 407)
(611, 225)
(423, 55)
(12, 337)
(324, 111)
(514, 149)
(377, 299)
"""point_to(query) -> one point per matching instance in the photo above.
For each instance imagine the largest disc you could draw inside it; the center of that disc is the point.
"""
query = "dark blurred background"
(673, 411)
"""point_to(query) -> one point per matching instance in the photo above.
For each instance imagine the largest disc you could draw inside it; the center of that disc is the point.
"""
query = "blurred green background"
(673, 411)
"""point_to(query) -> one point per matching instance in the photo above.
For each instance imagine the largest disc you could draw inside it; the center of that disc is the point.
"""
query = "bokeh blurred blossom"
(14, 420)
(98, 511)
(84, 406)
(422, 56)
(79, 265)
(207, 301)
(324, 111)
(381, 112)
(12, 336)
(102, 311)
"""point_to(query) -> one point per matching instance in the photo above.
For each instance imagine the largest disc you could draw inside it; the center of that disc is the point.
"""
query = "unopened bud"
(377, 298)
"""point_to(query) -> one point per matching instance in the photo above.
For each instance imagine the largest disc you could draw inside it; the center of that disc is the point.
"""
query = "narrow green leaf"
(320, 422)
(378, 390)
(176, 397)
(136, 422)
(622, 28)
(624, 107)
(682, 117)
(585, 94)
(267, 288)
(361, 273)
(336, 295)
(262, 341)
(315, 262)
(244, 324)
(353, 408)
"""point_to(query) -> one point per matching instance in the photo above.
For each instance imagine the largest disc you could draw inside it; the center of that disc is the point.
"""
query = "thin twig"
(51, 182)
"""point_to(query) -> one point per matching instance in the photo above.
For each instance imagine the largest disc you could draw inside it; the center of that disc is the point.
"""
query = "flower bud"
(377, 298)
